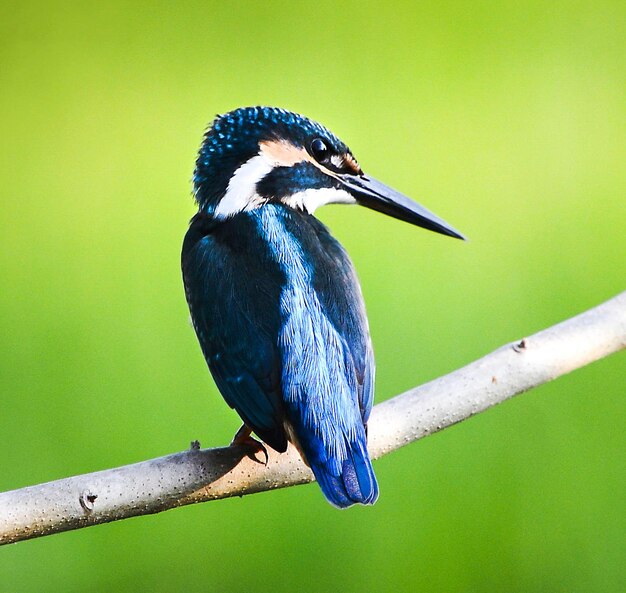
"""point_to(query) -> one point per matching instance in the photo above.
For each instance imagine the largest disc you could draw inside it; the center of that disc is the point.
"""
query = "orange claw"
(244, 438)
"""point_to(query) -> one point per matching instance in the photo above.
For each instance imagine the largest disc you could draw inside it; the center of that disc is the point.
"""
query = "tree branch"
(200, 475)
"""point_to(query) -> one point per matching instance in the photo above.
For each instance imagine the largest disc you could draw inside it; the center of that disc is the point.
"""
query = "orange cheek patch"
(284, 154)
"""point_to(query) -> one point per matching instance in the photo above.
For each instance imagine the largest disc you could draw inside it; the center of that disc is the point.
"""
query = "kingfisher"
(275, 300)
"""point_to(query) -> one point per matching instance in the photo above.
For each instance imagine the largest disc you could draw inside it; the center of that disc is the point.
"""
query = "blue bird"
(274, 298)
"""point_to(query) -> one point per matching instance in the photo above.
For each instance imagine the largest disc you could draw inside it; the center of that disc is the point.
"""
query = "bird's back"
(279, 314)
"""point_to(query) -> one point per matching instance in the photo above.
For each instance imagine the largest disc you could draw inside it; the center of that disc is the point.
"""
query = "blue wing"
(328, 367)
(233, 290)
(337, 287)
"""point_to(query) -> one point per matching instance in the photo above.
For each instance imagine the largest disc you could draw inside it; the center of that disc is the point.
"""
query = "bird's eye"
(319, 150)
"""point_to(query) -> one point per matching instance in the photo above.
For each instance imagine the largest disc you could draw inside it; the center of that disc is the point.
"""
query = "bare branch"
(200, 475)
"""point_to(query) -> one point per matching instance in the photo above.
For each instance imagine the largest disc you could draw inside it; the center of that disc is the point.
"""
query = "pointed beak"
(376, 195)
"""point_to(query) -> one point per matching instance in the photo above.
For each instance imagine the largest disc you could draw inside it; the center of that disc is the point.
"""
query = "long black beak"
(376, 195)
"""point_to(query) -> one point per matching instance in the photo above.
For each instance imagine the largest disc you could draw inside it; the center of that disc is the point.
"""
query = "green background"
(505, 118)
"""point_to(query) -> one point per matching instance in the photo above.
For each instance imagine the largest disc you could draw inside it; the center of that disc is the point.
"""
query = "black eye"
(319, 150)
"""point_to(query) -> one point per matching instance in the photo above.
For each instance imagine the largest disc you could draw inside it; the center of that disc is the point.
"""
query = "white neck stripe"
(241, 192)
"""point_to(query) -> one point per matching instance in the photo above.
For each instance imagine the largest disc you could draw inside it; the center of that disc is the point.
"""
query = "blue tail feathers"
(351, 481)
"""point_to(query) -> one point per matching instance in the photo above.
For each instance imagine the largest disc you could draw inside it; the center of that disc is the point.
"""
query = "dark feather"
(233, 287)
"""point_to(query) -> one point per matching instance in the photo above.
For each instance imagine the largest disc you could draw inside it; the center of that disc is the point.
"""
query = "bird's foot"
(244, 437)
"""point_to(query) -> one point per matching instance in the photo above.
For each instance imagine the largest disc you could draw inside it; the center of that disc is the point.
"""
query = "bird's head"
(258, 155)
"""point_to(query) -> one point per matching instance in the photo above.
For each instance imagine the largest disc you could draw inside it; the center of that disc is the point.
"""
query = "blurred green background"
(505, 118)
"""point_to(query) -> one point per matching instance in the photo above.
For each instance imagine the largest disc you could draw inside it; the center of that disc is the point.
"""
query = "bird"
(274, 298)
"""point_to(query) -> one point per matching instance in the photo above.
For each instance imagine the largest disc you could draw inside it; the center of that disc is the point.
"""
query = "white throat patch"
(311, 199)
